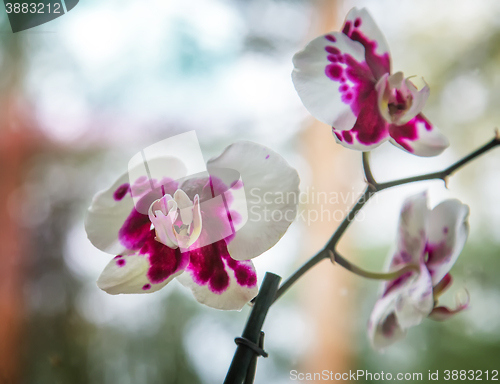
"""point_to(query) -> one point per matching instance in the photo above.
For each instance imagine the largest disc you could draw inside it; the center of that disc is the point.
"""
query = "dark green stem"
(370, 180)
(329, 246)
(442, 175)
(338, 259)
(241, 366)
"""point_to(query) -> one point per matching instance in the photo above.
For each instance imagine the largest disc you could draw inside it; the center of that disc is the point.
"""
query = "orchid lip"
(399, 100)
(176, 220)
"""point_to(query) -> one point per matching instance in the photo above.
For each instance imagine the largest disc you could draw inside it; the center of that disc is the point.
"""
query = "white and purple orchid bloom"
(431, 241)
(194, 230)
(344, 80)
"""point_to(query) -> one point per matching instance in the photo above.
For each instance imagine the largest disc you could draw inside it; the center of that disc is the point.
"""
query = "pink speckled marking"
(207, 267)
(137, 235)
(403, 134)
(121, 191)
(378, 64)
(121, 262)
(134, 230)
(405, 257)
(146, 287)
(370, 127)
(437, 254)
(331, 38)
(347, 137)
(332, 50)
(267, 157)
(396, 283)
(238, 183)
(163, 261)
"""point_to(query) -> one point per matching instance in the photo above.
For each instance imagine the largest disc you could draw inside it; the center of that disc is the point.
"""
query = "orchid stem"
(244, 359)
(370, 180)
(372, 188)
(338, 259)
(444, 173)
(321, 255)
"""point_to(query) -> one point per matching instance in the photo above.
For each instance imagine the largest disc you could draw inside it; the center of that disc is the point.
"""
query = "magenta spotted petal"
(321, 82)
(430, 240)
(344, 80)
(448, 232)
(200, 230)
(418, 137)
(148, 270)
(218, 280)
(360, 27)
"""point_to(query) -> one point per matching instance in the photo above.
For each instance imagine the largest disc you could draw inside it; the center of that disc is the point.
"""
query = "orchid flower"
(344, 79)
(431, 241)
(189, 235)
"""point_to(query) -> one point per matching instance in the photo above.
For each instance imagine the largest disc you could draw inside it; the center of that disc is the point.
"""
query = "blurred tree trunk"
(12, 158)
(17, 145)
(326, 290)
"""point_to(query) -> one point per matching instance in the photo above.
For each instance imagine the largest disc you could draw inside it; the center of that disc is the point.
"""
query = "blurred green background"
(82, 94)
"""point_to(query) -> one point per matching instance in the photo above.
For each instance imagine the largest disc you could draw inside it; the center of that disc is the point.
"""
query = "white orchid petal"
(125, 274)
(412, 231)
(317, 77)
(418, 137)
(416, 301)
(360, 26)
(448, 232)
(383, 326)
(129, 274)
(107, 213)
(217, 280)
(408, 301)
(269, 184)
(395, 81)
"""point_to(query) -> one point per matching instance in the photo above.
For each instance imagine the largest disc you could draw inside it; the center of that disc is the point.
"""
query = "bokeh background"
(82, 94)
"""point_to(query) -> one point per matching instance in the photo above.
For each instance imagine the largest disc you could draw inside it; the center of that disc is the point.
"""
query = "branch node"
(371, 186)
(497, 134)
(331, 255)
(446, 180)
